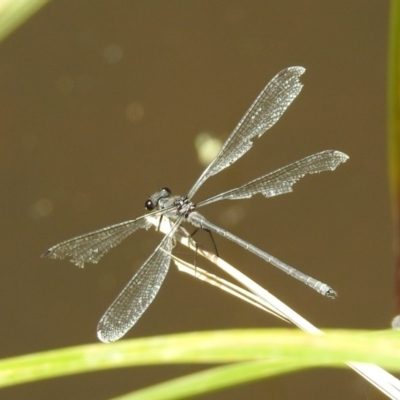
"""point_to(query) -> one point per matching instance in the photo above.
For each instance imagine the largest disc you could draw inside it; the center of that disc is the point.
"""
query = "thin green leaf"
(214, 379)
(333, 349)
(14, 13)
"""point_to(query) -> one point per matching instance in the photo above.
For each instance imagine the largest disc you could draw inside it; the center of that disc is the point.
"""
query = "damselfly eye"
(149, 205)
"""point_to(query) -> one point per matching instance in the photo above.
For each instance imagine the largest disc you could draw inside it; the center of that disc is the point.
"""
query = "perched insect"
(141, 290)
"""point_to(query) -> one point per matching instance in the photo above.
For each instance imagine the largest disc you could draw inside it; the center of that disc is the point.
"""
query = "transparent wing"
(90, 247)
(138, 294)
(262, 115)
(282, 180)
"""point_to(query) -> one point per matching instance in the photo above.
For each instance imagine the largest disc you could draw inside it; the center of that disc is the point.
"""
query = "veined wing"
(138, 294)
(90, 247)
(262, 115)
(282, 180)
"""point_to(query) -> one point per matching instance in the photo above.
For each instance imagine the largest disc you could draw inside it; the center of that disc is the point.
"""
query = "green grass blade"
(394, 132)
(214, 379)
(209, 347)
(14, 13)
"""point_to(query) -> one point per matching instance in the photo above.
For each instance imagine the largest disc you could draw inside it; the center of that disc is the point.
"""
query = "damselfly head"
(154, 200)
